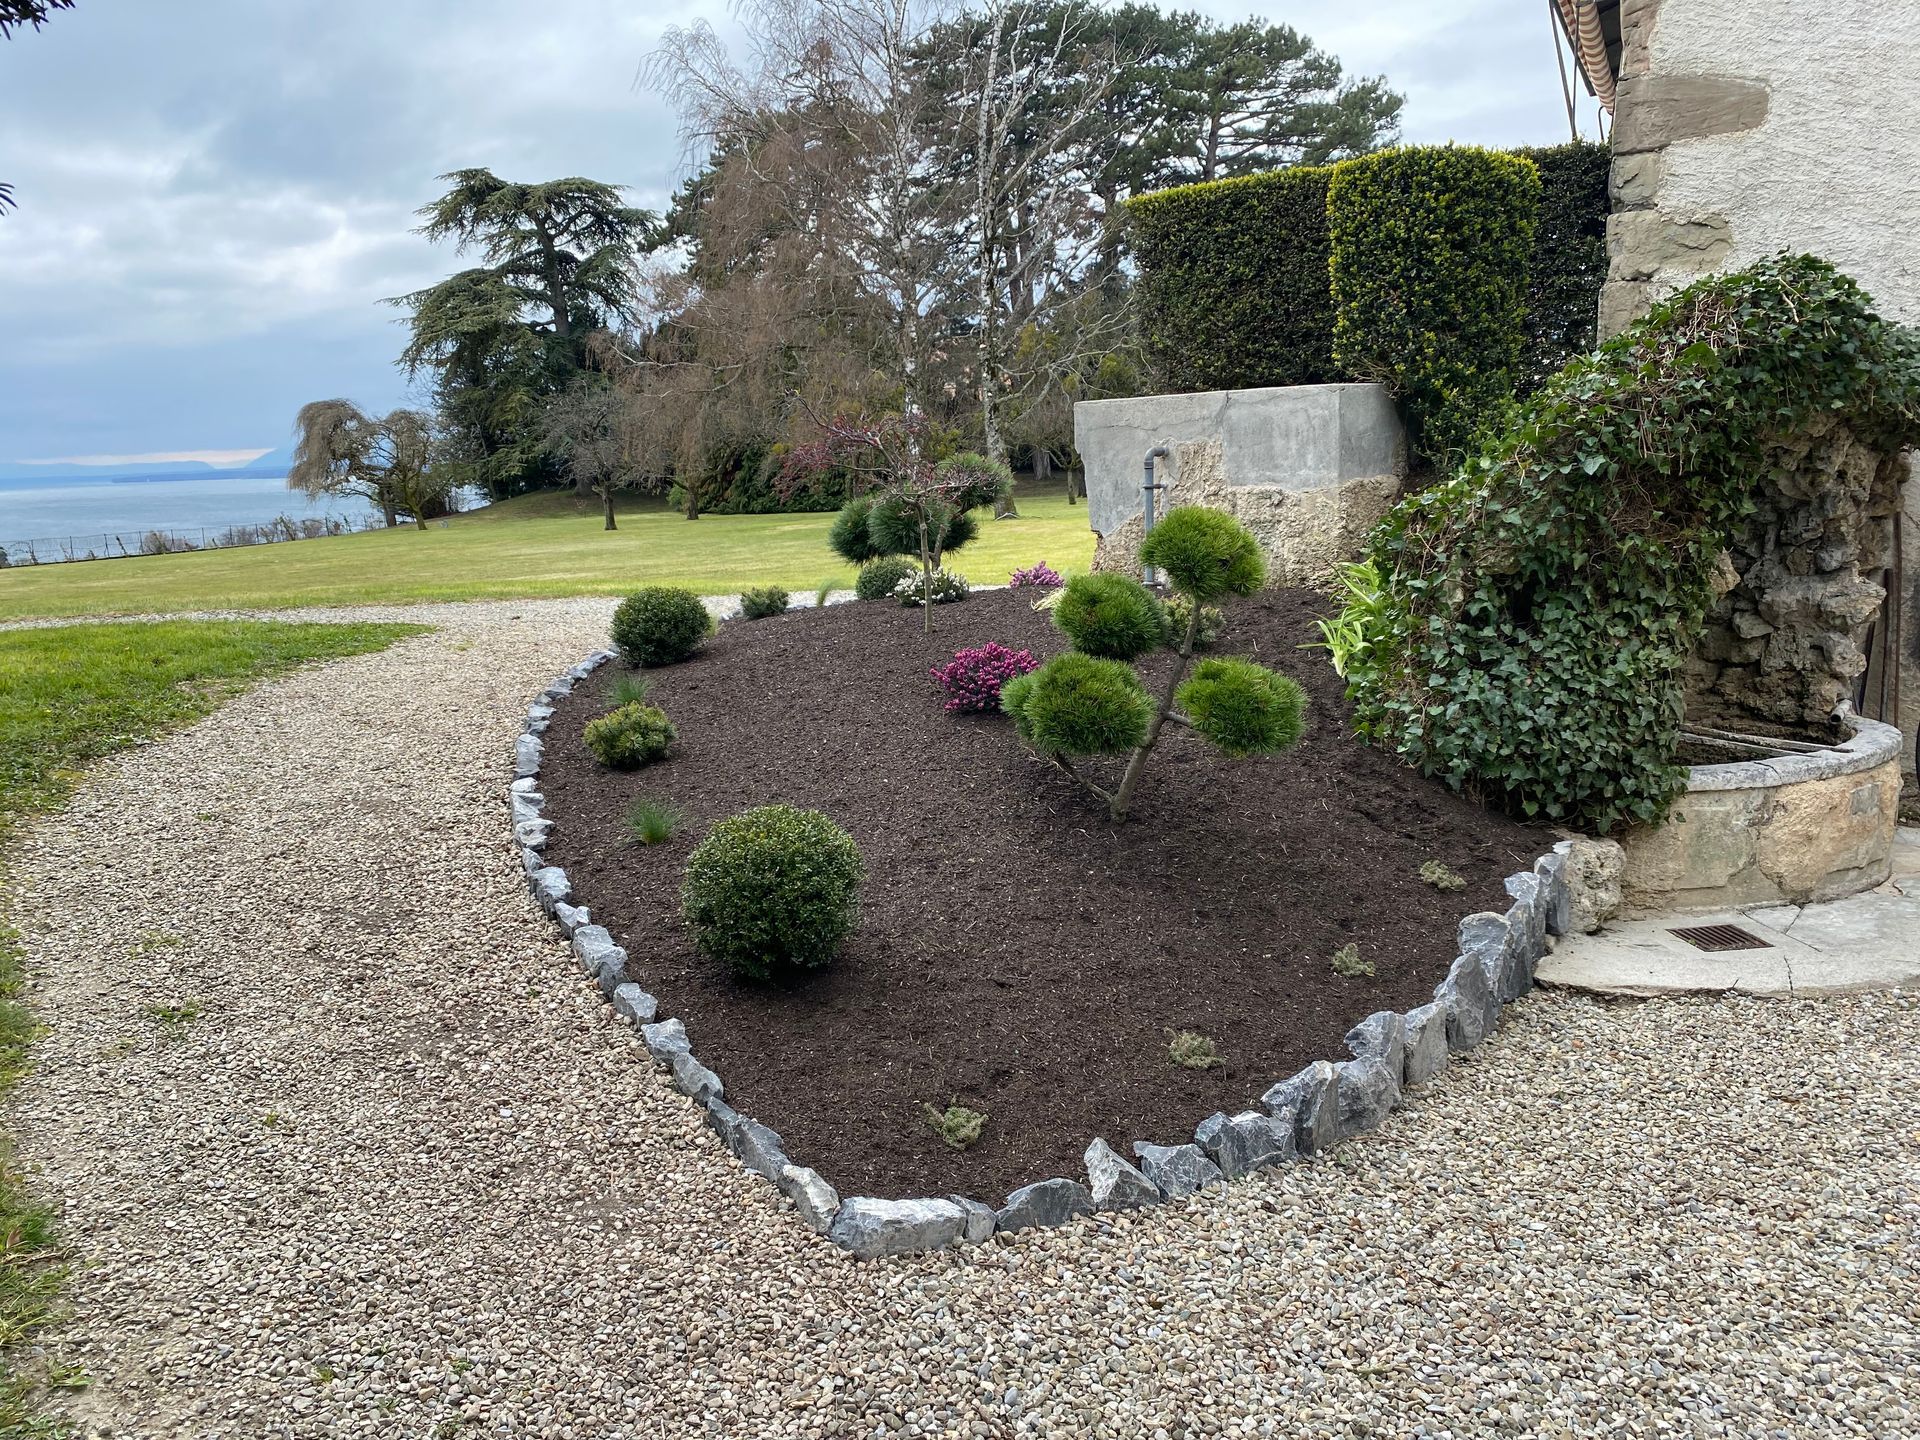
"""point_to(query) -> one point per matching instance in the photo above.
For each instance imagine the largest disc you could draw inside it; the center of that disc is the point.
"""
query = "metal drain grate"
(1719, 937)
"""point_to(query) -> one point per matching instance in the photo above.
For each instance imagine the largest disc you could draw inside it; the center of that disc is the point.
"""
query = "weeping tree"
(386, 460)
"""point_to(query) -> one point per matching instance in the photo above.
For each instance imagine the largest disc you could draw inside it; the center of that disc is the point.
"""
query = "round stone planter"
(1793, 828)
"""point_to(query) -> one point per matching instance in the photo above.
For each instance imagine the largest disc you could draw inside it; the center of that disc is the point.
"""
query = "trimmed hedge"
(1430, 247)
(660, 625)
(1569, 261)
(1523, 628)
(773, 888)
(1233, 281)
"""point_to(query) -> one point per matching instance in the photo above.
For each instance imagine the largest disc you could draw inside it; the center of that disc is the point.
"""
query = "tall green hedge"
(1569, 261)
(1429, 256)
(1520, 631)
(1233, 281)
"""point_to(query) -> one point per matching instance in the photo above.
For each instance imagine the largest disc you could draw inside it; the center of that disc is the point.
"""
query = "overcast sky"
(216, 196)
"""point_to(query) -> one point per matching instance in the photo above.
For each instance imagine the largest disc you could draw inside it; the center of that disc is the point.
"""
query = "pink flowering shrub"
(972, 679)
(1037, 577)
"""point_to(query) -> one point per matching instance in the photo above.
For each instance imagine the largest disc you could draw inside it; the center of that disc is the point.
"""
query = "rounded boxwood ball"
(848, 533)
(1205, 554)
(1243, 708)
(627, 738)
(1079, 705)
(771, 888)
(1111, 616)
(880, 577)
(660, 625)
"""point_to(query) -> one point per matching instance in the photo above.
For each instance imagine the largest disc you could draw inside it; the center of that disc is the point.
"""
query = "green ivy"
(1534, 613)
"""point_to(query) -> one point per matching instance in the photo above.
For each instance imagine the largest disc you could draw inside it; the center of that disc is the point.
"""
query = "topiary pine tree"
(1090, 701)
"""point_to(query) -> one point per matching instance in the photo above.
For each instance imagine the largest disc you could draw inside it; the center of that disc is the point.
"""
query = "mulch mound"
(1017, 952)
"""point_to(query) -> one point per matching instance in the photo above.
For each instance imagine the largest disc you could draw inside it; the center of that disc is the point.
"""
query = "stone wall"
(1805, 578)
(1308, 468)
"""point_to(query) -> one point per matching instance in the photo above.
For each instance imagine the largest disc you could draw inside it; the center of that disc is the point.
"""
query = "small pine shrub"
(652, 822)
(1112, 616)
(1193, 1051)
(772, 888)
(878, 577)
(893, 528)
(1205, 553)
(977, 480)
(1242, 708)
(1035, 577)
(764, 602)
(660, 626)
(957, 1125)
(630, 690)
(848, 533)
(973, 678)
(947, 587)
(627, 738)
(1079, 705)
(1348, 965)
(1213, 623)
(1442, 877)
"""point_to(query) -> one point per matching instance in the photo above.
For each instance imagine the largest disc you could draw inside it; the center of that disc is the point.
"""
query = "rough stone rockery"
(1802, 581)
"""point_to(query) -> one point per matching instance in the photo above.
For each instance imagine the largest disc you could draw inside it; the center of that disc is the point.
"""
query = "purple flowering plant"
(972, 679)
(1037, 577)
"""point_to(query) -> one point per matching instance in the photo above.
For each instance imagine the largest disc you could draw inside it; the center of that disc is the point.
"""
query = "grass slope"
(68, 696)
(532, 546)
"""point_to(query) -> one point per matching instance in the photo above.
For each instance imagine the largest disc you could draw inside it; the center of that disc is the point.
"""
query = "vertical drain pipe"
(1149, 487)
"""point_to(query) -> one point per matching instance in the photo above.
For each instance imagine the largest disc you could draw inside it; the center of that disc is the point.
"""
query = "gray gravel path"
(404, 1175)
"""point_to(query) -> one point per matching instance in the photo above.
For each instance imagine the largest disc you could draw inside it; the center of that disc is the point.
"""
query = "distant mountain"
(270, 465)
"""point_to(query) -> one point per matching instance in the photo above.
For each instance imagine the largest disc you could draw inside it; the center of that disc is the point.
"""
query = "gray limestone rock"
(524, 785)
(527, 805)
(1240, 1144)
(1486, 938)
(532, 861)
(1593, 870)
(1425, 1053)
(690, 1077)
(634, 1003)
(1046, 1202)
(1527, 922)
(572, 917)
(664, 1039)
(1381, 1036)
(1472, 1008)
(593, 947)
(1178, 1170)
(870, 1228)
(980, 1219)
(1115, 1184)
(813, 1197)
(539, 713)
(1309, 1097)
(1556, 900)
(533, 833)
(550, 887)
(1368, 1092)
(526, 755)
(757, 1147)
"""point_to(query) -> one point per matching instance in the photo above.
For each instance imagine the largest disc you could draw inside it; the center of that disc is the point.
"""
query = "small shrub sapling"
(1090, 701)
(973, 678)
(1348, 964)
(1191, 1050)
(763, 602)
(958, 1126)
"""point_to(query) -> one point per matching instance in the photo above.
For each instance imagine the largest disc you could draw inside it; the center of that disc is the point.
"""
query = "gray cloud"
(215, 197)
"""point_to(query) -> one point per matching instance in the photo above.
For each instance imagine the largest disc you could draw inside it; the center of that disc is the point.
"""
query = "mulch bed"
(1017, 952)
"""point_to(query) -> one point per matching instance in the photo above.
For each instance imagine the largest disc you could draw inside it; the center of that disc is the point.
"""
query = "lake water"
(92, 511)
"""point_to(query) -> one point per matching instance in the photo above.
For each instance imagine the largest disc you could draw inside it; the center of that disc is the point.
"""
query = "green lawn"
(70, 695)
(536, 545)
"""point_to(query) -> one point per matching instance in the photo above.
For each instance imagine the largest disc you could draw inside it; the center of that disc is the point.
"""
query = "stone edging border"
(1322, 1105)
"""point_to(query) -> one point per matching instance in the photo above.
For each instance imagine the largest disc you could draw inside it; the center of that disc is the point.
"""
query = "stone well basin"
(1793, 828)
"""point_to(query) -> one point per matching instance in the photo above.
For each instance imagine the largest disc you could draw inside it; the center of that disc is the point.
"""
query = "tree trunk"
(420, 519)
(606, 507)
(1123, 797)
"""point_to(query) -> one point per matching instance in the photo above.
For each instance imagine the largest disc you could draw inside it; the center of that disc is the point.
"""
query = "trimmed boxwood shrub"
(1233, 286)
(763, 602)
(1242, 708)
(1523, 629)
(1079, 705)
(660, 626)
(1429, 255)
(771, 888)
(1569, 261)
(1112, 616)
(629, 737)
(879, 577)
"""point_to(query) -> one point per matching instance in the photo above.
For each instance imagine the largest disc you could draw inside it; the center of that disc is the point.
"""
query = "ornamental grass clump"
(629, 737)
(973, 678)
(1524, 630)
(1090, 701)
(771, 889)
(660, 625)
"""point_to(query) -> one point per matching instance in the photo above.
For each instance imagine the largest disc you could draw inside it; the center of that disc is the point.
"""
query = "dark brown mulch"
(1017, 952)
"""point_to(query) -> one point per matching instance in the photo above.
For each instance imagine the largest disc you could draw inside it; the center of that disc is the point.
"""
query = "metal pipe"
(1149, 488)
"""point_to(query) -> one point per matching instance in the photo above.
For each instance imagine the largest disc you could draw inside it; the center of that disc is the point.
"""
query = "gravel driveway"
(347, 1146)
